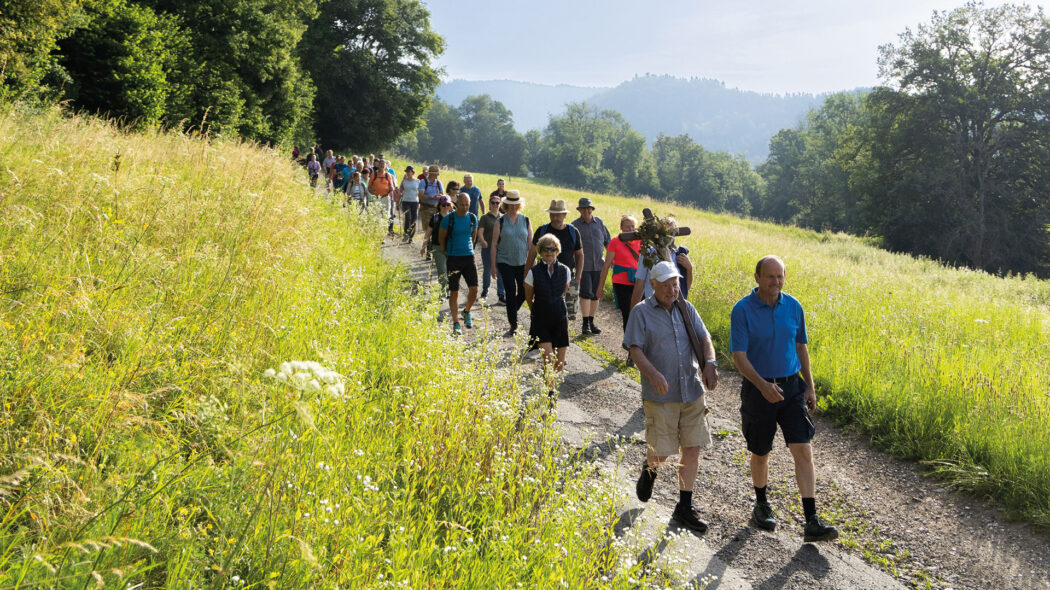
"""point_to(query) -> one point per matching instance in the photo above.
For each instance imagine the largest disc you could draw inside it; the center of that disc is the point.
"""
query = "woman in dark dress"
(545, 286)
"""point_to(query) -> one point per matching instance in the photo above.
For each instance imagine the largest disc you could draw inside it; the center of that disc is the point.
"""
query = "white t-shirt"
(411, 191)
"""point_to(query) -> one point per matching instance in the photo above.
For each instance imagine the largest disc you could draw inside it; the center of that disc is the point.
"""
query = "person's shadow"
(807, 559)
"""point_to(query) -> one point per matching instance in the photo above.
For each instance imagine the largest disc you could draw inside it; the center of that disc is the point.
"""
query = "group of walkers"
(558, 268)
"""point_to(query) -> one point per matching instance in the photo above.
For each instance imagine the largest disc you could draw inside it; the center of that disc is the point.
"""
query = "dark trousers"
(514, 285)
(623, 300)
(486, 264)
(411, 214)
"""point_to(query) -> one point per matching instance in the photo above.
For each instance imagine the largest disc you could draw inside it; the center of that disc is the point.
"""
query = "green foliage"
(963, 139)
(715, 181)
(145, 291)
(949, 160)
(29, 32)
(119, 61)
(478, 135)
(242, 76)
(371, 63)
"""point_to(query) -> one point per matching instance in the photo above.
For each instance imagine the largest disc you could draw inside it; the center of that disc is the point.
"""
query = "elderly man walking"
(595, 239)
(769, 344)
(672, 387)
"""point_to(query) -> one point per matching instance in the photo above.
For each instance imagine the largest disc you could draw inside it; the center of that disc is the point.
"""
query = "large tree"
(119, 63)
(372, 63)
(29, 32)
(494, 145)
(961, 143)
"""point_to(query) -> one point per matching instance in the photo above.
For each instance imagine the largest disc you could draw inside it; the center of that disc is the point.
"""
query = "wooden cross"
(694, 340)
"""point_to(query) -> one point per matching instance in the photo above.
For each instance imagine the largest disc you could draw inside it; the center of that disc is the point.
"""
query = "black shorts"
(759, 418)
(553, 330)
(589, 284)
(461, 265)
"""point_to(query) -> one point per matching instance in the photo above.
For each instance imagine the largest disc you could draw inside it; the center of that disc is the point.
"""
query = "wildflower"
(270, 374)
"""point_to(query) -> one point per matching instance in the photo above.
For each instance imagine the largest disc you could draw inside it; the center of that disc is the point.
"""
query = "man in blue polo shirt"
(769, 345)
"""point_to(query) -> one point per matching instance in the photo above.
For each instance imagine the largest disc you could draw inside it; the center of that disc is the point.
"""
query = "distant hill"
(531, 104)
(719, 118)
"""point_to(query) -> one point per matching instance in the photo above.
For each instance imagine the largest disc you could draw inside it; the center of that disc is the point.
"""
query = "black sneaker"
(644, 488)
(594, 329)
(688, 518)
(762, 516)
(818, 531)
(510, 333)
(484, 294)
(586, 329)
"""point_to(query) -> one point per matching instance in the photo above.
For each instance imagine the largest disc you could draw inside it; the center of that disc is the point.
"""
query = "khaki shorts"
(670, 426)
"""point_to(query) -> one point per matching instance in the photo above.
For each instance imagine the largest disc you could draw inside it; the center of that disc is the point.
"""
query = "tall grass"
(948, 366)
(147, 284)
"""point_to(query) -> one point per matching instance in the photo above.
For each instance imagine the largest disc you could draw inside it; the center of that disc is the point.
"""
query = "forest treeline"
(949, 158)
(345, 72)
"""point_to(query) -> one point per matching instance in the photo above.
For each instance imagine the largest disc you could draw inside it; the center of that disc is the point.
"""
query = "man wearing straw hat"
(571, 254)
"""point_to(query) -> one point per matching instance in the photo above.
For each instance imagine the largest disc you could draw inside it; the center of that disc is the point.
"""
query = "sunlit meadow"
(210, 379)
(946, 366)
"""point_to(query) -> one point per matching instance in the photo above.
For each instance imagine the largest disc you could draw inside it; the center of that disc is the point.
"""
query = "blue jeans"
(486, 264)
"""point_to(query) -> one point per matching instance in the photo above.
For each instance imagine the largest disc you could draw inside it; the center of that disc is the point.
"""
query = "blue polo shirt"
(475, 197)
(768, 334)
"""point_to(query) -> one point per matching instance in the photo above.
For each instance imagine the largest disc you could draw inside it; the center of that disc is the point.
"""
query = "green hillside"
(941, 365)
(209, 379)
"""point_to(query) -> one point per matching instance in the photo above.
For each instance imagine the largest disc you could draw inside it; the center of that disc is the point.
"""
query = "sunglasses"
(549, 249)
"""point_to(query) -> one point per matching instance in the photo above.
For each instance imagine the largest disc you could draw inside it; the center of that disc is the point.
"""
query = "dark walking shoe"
(502, 299)
(687, 517)
(484, 294)
(594, 329)
(816, 531)
(510, 333)
(762, 516)
(644, 488)
(467, 320)
(586, 329)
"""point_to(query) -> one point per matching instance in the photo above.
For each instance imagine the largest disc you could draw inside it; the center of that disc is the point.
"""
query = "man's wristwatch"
(712, 362)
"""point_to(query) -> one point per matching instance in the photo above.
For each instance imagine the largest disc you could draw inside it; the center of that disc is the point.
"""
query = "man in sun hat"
(768, 340)
(672, 387)
(571, 254)
(595, 239)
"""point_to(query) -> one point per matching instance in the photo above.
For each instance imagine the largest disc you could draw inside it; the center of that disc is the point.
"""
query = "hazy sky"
(763, 45)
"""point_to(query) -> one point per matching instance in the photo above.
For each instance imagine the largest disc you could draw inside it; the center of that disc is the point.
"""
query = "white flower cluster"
(309, 376)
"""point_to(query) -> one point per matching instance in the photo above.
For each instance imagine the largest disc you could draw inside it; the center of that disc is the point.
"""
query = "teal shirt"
(460, 241)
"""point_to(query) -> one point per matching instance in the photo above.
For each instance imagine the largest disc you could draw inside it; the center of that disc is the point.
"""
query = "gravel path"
(899, 528)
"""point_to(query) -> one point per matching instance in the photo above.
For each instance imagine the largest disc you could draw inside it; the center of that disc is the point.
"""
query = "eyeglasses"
(549, 249)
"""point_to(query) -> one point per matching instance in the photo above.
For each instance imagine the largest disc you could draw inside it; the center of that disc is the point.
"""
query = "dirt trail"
(900, 529)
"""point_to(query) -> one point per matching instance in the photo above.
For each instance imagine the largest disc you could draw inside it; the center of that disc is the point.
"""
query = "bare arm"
(807, 376)
(687, 264)
(578, 257)
(442, 237)
(605, 272)
(530, 295)
(530, 259)
(771, 391)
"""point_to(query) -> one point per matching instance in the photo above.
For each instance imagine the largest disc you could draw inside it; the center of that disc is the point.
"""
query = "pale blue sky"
(774, 46)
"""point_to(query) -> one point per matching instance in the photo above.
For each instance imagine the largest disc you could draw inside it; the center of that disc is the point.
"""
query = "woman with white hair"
(545, 286)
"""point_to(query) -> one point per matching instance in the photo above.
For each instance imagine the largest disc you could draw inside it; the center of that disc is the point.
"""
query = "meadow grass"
(209, 378)
(942, 365)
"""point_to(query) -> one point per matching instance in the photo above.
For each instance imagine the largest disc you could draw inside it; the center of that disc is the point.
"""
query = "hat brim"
(556, 210)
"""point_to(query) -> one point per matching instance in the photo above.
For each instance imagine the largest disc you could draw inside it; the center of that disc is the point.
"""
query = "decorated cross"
(656, 236)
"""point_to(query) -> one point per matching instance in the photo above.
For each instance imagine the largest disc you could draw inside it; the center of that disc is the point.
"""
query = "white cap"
(663, 271)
